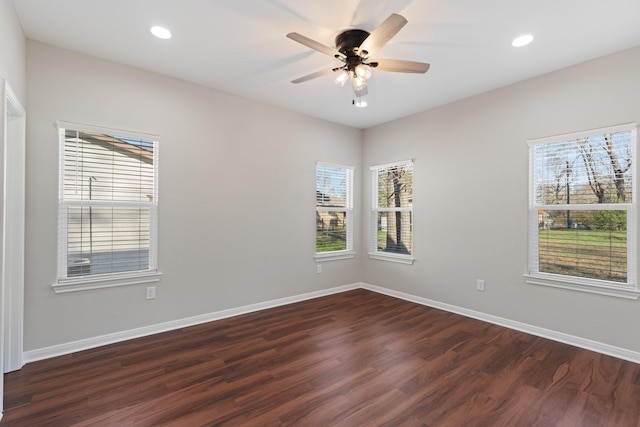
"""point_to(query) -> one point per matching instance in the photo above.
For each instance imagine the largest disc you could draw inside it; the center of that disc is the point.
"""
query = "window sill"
(599, 287)
(104, 281)
(332, 256)
(401, 259)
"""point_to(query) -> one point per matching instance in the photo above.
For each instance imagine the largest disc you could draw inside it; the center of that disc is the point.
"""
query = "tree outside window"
(582, 206)
(392, 211)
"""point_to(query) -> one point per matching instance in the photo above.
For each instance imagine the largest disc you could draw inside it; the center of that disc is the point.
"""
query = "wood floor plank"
(352, 359)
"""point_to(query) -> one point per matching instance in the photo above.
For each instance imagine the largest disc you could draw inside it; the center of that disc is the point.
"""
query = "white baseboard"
(85, 344)
(598, 347)
(75, 346)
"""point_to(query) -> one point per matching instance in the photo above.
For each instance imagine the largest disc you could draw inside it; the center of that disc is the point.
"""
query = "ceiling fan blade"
(399, 66)
(316, 45)
(315, 75)
(381, 35)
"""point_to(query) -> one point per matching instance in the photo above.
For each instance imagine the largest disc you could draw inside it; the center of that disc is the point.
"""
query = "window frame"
(374, 253)
(628, 290)
(349, 252)
(64, 283)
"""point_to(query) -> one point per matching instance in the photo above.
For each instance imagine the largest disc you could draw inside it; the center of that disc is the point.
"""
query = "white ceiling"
(239, 46)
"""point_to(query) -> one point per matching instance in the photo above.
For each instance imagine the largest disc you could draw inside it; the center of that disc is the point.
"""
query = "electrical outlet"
(151, 292)
(480, 285)
(318, 268)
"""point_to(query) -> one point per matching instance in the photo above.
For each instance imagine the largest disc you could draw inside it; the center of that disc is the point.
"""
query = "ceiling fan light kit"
(342, 78)
(353, 48)
(359, 84)
(363, 71)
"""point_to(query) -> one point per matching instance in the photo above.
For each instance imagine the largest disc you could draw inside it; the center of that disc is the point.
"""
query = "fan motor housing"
(348, 41)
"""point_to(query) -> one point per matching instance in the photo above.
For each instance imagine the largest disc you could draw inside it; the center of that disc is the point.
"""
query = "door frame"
(13, 231)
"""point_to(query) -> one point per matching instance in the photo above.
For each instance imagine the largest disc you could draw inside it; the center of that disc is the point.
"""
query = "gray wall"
(220, 150)
(12, 50)
(237, 196)
(470, 196)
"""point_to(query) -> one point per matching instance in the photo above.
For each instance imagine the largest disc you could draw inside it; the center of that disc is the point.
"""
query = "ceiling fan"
(353, 48)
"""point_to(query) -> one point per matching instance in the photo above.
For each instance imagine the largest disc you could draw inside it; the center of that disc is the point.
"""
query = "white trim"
(61, 124)
(64, 283)
(71, 347)
(85, 344)
(600, 287)
(632, 221)
(390, 165)
(332, 209)
(628, 290)
(86, 283)
(398, 209)
(348, 210)
(584, 207)
(581, 134)
(621, 353)
(383, 256)
(374, 253)
(334, 255)
(334, 165)
(13, 230)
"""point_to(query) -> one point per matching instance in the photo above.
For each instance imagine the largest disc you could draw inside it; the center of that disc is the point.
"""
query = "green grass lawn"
(331, 240)
(600, 254)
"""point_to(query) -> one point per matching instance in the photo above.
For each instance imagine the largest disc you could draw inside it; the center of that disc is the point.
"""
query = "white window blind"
(108, 203)
(391, 229)
(582, 206)
(334, 209)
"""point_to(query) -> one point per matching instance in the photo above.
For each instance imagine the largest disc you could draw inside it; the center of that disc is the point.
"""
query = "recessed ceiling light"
(522, 40)
(161, 32)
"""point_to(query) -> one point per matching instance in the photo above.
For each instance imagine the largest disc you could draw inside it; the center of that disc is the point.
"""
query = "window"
(108, 207)
(582, 211)
(334, 211)
(391, 235)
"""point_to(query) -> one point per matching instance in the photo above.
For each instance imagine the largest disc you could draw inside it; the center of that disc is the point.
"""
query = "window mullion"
(394, 209)
(586, 207)
(114, 203)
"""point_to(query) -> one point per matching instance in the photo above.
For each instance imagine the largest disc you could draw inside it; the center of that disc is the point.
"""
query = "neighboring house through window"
(334, 211)
(391, 229)
(582, 211)
(108, 207)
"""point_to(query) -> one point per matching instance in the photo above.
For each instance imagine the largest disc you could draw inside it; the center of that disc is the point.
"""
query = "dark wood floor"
(352, 359)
